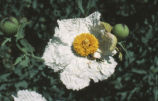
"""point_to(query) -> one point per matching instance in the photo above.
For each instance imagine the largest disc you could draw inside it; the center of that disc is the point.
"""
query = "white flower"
(77, 71)
(25, 95)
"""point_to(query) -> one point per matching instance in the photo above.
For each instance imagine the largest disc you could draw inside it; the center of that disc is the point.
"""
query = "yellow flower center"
(85, 44)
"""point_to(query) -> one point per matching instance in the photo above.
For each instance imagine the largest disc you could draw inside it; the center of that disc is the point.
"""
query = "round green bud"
(14, 20)
(9, 25)
(121, 31)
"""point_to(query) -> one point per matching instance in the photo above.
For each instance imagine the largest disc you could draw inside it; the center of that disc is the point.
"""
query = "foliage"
(135, 79)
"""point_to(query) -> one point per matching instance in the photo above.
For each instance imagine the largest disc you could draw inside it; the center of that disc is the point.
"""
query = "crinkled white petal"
(57, 55)
(69, 28)
(25, 95)
(78, 74)
(75, 71)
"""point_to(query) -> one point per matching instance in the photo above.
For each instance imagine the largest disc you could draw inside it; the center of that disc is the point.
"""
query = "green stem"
(38, 58)
(33, 56)
(5, 41)
(121, 45)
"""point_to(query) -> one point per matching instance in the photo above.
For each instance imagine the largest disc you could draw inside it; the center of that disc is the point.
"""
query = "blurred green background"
(135, 79)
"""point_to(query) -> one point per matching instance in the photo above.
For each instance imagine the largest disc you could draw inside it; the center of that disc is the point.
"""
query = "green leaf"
(23, 84)
(3, 87)
(18, 60)
(5, 41)
(34, 4)
(140, 61)
(25, 62)
(138, 71)
(131, 93)
(79, 3)
(123, 95)
(32, 73)
(18, 71)
(117, 83)
(20, 34)
(91, 4)
(27, 47)
(4, 76)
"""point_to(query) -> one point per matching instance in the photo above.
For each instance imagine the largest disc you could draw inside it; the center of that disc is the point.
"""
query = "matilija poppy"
(26, 95)
(81, 51)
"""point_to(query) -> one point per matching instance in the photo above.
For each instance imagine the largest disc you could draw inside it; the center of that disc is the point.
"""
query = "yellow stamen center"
(85, 44)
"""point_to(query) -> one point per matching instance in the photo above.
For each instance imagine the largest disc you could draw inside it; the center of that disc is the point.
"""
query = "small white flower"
(25, 95)
(63, 53)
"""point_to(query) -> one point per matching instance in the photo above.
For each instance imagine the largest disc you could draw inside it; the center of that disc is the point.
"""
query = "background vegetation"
(135, 79)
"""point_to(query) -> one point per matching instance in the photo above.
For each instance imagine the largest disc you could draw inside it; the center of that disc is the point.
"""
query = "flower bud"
(121, 31)
(9, 25)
